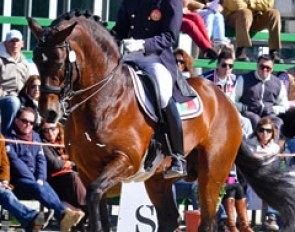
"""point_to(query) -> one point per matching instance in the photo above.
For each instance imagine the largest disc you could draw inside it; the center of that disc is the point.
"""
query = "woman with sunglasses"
(61, 175)
(184, 63)
(262, 142)
(29, 96)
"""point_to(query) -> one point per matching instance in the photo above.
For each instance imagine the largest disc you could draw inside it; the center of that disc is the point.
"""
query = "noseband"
(66, 93)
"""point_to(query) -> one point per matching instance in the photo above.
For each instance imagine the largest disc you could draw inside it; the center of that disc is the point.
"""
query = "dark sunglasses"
(262, 67)
(261, 130)
(46, 130)
(180, 61)
(35, 86)
(225, 65)
(26, 121)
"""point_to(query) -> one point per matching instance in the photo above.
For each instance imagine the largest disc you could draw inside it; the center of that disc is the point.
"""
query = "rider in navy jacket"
(149, 29)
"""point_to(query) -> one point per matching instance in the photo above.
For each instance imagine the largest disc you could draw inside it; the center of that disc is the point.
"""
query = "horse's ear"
(35, 27)
(61, 36)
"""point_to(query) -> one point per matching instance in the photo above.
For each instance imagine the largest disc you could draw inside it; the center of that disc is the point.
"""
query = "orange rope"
(32, 143)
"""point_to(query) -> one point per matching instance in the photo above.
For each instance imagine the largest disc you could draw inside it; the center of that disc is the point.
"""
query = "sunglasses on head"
(180, 61)
(26, 121)
(35, 86)
(225, 65)
(261, 130)
(262, 67)
(46, 130)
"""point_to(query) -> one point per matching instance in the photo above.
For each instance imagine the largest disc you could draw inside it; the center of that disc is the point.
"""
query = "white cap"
(14, 34)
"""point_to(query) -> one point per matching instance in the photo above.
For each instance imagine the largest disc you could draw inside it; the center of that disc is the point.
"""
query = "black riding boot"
(174, 130)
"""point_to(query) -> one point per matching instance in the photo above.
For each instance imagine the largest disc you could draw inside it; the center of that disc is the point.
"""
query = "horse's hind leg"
(160, 193)
(96, 192)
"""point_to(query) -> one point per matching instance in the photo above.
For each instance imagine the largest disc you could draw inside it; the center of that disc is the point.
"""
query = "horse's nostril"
(51, 116)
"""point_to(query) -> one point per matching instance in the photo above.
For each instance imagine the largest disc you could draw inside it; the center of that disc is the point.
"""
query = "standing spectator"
(14, 71)
(29, 96)
(263, 143)
(149, 29)
(223, 77)
(210, 11)
(61, 176)
(29, 218)
(194, 26)
(234, 201)
(28, 169)
(260, 94)
(184, 63)
(247, 15)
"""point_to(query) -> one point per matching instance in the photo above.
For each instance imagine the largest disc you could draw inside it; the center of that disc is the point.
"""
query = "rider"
(148, 29)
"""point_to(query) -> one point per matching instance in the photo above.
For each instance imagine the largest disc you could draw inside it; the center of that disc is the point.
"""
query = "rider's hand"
(133, 45)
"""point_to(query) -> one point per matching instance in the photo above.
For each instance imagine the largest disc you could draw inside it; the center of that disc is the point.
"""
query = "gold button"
(131, 27)
(146, 29)
(149, 18)
(133, 16)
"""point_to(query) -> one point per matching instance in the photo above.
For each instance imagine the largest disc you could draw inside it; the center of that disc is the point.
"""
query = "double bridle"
(66, 93)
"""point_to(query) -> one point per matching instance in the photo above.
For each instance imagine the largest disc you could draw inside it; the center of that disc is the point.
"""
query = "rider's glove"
(133, 45)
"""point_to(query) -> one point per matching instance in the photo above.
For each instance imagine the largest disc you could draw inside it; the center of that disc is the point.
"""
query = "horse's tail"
(276, 187)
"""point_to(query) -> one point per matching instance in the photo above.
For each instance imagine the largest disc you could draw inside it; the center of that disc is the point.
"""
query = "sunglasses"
(262, 67)
(261, 130)
(46, 130)
(180, 61)
(26, 121)
(225, 65)
(35, 86)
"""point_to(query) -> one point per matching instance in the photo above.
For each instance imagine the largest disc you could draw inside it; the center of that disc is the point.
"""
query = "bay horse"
(107, 132)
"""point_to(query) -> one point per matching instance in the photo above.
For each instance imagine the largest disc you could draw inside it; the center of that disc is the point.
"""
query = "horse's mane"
(92, 24)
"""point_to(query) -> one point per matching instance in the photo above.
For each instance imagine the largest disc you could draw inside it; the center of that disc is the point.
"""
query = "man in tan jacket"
(253, 15)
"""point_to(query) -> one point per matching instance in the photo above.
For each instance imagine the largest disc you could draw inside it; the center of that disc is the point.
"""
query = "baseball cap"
(14, 34)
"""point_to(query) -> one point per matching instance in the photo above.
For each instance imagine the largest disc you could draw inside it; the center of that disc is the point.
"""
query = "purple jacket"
(26, 161)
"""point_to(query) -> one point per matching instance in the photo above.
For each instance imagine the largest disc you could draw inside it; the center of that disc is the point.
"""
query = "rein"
(66, 93)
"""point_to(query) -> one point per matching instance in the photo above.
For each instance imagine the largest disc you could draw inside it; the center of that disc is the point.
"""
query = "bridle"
(66, 93)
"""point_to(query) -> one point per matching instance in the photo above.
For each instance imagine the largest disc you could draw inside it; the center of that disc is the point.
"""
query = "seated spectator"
(28, 169)
(234, 201)
(210, 11)
(14, 71)
(261, 94)
(184, 63)
(263, 143)
(29, 96)
(29, 218)
(61, 176)
(288, 79)
(194, 26)
(247, 15)
(223, 77)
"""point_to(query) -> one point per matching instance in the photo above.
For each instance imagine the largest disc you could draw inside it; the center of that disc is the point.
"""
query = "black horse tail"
(276, 187)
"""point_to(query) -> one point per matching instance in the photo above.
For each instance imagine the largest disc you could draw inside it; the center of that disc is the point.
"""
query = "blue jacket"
(26, 161)
(136, 20)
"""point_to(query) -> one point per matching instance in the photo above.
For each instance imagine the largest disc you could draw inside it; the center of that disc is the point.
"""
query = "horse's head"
(55, 62)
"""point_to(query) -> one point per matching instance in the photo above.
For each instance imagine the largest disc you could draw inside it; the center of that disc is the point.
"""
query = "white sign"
(137, 214)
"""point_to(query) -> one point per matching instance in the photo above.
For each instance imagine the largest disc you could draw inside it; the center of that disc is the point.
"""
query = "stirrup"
(176, 171)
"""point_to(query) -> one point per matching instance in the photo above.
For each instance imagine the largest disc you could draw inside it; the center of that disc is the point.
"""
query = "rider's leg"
(173, 125)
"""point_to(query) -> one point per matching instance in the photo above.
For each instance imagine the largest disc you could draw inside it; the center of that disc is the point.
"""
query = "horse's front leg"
(111, 175)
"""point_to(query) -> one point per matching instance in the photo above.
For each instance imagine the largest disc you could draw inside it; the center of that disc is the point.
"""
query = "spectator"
(223, 77)
(14, 71)
(263, 143)
(61, 176)
(260, 94)
(28, 169)
(194, 26)
(247, 15)
(29, 218)
(210, 11)
(234, 201)
(29, 96)
(288, 79)
(184, 63)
